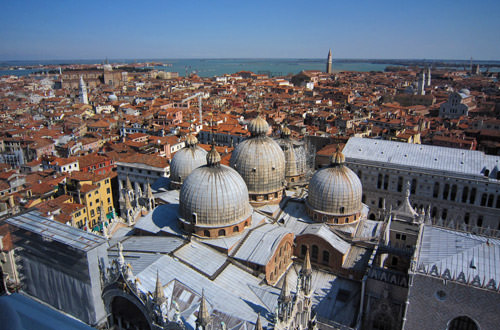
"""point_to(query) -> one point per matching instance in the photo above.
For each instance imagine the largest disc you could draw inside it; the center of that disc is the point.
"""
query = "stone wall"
(434, 302)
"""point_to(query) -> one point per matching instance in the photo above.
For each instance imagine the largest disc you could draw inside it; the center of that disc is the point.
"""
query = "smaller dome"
(465, 91)
(112, 97)
(258, 126)
(186, 160)
(335, 190)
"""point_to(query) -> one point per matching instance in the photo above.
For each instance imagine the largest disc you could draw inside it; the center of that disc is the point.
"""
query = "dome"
(214, 196)
(112, 97)
(261, 163)
(186, 160)
(258, 126)
(335, 191)
(295, 157)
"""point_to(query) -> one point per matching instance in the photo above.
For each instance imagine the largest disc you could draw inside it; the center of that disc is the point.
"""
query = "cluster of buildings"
(322, 201)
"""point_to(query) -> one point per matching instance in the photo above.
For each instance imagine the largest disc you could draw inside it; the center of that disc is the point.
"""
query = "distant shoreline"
(273, 67)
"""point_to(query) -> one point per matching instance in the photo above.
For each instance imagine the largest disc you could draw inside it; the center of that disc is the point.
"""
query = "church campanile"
(329, 62)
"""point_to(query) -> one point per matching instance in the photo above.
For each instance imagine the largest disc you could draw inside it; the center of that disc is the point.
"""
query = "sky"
(361, 29)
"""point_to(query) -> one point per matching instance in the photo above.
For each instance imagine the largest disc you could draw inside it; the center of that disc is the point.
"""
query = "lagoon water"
(215, 67)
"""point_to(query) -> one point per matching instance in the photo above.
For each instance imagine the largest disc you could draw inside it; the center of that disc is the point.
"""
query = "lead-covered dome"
(295, 158)
(186, 160)
(335, 193)
(261, 163)
(214, 200)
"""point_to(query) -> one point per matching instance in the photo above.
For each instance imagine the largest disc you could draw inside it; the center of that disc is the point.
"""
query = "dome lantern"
(258, 126)
(213, 157)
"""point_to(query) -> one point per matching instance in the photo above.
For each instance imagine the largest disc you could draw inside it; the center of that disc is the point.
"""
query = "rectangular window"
(398, 236)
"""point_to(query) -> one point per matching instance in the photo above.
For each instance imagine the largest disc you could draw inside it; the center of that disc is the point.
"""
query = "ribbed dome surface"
(258, 126)
(295, 156)
(261, 163)
(335, 190)
(185, 161)
(216, 194)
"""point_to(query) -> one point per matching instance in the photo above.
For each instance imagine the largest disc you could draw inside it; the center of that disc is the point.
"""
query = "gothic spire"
(203, 317)
(285, 290)
(258, 324)
(159, 297)
(306, 268)
(129, 185)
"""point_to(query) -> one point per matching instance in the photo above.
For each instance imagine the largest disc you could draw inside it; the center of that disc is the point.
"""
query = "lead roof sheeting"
(325, 233)
(260, 244)
(201, 257)
(368, 229)
(45, 227)
(469, 162)
(138, 260)
(229, 292)
(457, 251)
(169, 197)
(162, 218)
(150, 244)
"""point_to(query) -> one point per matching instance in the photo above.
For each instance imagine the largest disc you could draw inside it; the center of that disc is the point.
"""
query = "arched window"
(462, 323)
(472, 196)
(206, 233)
(326, 257)
(453, 192)
(491, 197)
(386, 181)
(446, 191)
(379, 181)
(400, 184)
(444, 214)
(236, 229)
(483, 199)
(435, 193)
(342, 209)
(465, 194)
(222, 232)
(466, 218)
(303, 250)
(314, 252)
(413, 187)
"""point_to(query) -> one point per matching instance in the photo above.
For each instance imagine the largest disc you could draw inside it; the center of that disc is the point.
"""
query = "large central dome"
(214, 200)
(261, 163)
(335, 193)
